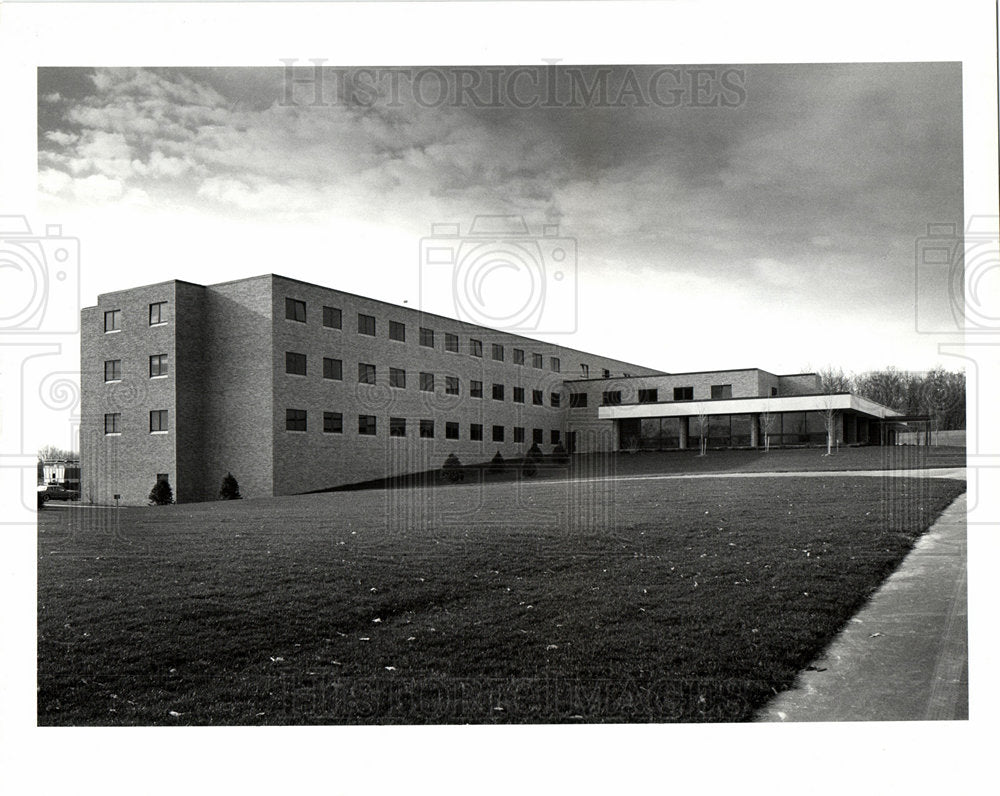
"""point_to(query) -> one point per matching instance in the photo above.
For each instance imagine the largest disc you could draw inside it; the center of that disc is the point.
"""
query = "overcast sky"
(776, 228)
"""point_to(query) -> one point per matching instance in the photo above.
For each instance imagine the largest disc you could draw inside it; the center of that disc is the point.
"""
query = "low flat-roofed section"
(739, 406)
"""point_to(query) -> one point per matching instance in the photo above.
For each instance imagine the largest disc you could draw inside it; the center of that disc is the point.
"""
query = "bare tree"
(767, 418)
(702, 428)
(830, 414)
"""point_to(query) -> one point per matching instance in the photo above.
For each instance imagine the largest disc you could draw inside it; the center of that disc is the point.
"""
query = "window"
(605, 373)
(157, 313)
(611, 397)
(158, 421)
(475, 389)
(518, 433)
(366, 324)
(537, 398)
(332, 318)
(554, 437)
(774, 391)
(476, 347)
(295, 420)
(157, 365)
(577, 400)
(295, 363)
(585, 371)
(397, 331)
(554, 399)
(536, 361)
(427, 382)
(426, 429)
(498, 433)
(518, 356)
(366, 373)
(295, 310)
(333, 423)
(397, 378)
(113, 423)
(554, 364)
(497, 392)
(333, 369)
(451, 430)
(537, 436)
(680, 394)
(112, 321)
(722, 390)
(519, 395)
(397, 426)
(450, 342)
(112, 370)
(476, 431)
(366, 425)
(451, 385)
(497, 352)
(426, 337)
(650, 396)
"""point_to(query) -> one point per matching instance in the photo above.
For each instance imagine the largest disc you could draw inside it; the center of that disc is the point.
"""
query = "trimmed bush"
(451, 470)
(497, 463)
(532, 459)
(559, 454)
(230, 488)
(161, 494)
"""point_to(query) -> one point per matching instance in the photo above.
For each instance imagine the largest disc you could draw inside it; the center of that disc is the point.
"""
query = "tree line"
(938, 393)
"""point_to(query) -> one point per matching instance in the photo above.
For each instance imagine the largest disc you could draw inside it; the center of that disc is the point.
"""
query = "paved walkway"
(904, 656)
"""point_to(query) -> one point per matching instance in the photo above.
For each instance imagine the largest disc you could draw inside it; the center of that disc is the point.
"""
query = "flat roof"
(786, 403)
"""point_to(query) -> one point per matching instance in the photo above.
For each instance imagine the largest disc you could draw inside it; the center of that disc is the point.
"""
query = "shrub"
(531, 460)
(497, 463)
(451, 470)
(559, 454)
(632, 445)
(230, 488)
(161, 494)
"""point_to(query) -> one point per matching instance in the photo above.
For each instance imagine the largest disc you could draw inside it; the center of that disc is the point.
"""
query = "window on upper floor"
(157, 313)
(498, 392)
(397, 331)
(554, 364)
(475, 389)
(722, 390)
(519, 395)
(426, 337)
(450, 342)
(518, 433)
(498, 433)
(333, 369)
(427, 382)
(577, 400)
(537, 361)
(112, 370)
(605, 373)
(333, 423)
(112, 321)
(397, 378)
(113, 423)
(585, 370)
(366, 425)
(451, 386)
(497, 352)
(366, 324)
(332, 318)
(366, 373)
(295, 420)
(554, 399)
(682, 394)
(537, 398)
(476, 347)
(649, 396)
(451, 430)
(295, 363)
(476, 431)
(518, 356)
(295, 310)
(157, 366)
(158, 421)
(427, 429)
(611, 397)
(397, 427)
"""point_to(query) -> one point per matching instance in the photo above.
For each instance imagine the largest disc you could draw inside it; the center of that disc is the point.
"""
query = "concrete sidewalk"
(904, 656)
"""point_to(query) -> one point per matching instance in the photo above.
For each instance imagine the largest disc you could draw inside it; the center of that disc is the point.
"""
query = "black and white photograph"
(503, 387)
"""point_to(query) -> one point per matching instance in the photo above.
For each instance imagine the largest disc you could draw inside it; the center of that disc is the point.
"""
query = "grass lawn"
(663, 601)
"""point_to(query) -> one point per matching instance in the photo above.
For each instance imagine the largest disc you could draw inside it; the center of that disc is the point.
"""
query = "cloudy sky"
(769, 224)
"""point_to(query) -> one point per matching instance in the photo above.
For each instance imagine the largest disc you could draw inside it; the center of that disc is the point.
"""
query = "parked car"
(56, 492)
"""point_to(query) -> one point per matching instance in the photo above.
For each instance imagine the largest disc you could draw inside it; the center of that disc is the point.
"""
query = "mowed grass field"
(662, 601)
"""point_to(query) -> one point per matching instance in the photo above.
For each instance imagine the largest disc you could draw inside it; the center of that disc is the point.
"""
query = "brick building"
(294, 387)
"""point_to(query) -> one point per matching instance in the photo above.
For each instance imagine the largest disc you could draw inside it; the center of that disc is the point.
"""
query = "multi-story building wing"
(295, 387)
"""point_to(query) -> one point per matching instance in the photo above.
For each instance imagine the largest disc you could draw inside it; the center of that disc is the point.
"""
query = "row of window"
(333, 423)
(295, 310)
(157, 317)
(651, 396)
(157, 367)
(158, 422)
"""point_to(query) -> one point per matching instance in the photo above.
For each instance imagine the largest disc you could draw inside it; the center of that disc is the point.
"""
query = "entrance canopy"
(788, 403)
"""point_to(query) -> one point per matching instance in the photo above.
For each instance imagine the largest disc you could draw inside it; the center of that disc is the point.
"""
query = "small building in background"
(63, 472)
